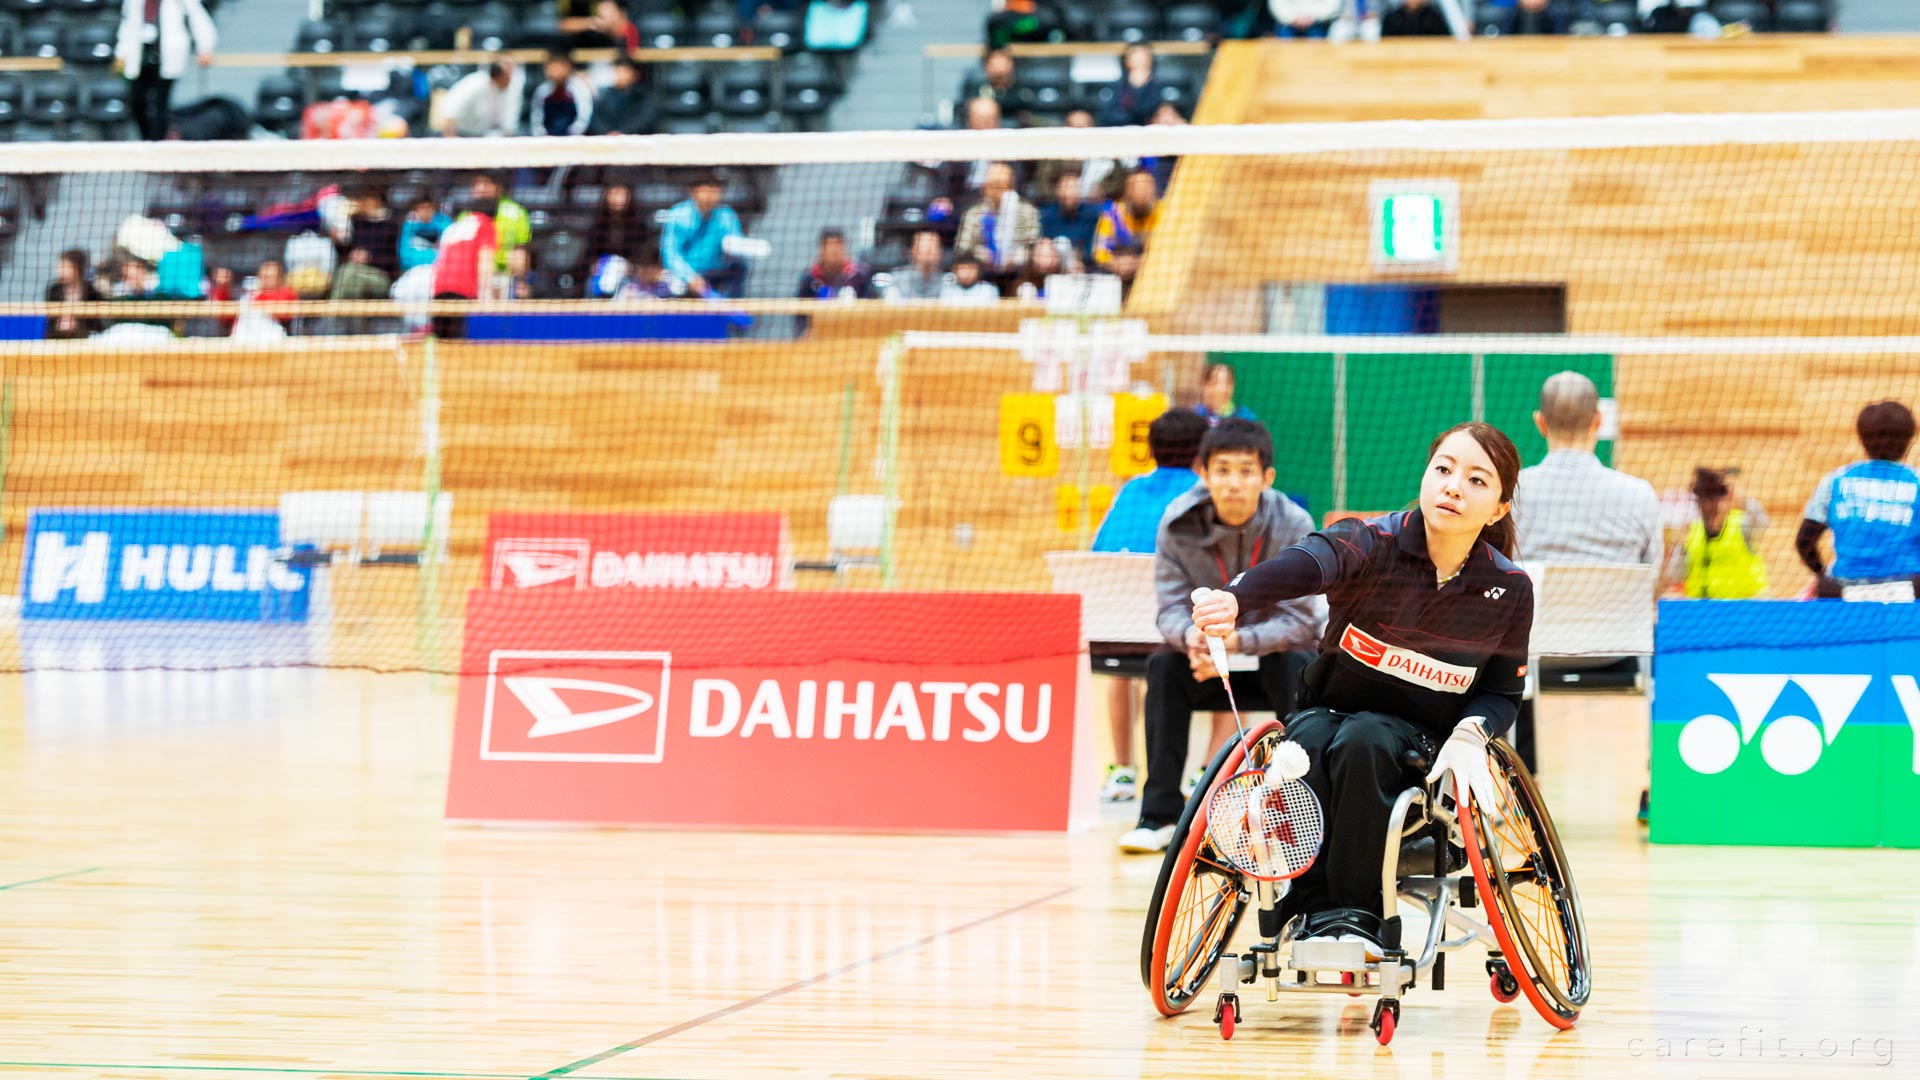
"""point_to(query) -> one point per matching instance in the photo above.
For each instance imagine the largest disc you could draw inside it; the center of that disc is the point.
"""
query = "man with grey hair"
(1570, 507)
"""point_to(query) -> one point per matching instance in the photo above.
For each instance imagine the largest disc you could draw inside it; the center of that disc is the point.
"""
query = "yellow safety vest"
(1724, 567)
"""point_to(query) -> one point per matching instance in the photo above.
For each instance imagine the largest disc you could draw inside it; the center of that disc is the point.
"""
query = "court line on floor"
(49, 877)
(761, 999)
(268, 1070)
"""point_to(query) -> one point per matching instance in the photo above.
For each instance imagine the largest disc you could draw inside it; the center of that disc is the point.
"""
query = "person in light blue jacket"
(693, 242)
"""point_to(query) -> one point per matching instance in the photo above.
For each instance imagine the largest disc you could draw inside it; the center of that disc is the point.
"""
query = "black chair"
(744, 90)
(53, 100)
(91, 45)
(107, 105)
(1618, 16)
(437, 26)
(1130, 21)
(750, 125)
(491, 30)
(1178, 86)
(1191, 22)
(97, 7)
(376, 32)
(318, 36)
(29, 8)
(1803, 17)
(1755, 13)
(12, 94)
(685, 125)
(44, 40)
(561, 258)
(682, 90)
(279, 102)
(1079, 19)
(1494, 21)
(9, 36)
(1046, 85)
(662, 29)
(780, 30)
(537, 30)
(541, 205)
(716, 26)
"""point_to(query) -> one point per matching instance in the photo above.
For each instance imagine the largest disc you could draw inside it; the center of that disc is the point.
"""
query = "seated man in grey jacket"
(1231, 520)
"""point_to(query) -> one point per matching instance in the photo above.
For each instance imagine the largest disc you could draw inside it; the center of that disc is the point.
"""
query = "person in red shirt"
(608, 25)
(273, 288)
(464, 268)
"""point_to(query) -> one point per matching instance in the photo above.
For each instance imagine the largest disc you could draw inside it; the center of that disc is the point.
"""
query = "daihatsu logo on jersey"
(1406, 664)
(575, 706)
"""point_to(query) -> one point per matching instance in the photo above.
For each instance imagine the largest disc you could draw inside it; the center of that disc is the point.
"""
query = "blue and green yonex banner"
(1786, 722)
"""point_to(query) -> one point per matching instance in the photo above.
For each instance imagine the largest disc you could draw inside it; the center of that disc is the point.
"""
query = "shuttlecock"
(1289, 763)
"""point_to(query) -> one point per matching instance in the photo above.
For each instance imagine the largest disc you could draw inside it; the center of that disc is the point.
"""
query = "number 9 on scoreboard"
(1027, 443)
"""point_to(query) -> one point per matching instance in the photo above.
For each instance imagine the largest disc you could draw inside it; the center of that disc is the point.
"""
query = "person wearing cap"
(1720, 557)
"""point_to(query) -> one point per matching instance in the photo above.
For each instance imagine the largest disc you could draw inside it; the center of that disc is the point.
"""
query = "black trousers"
(1357, 769)
(152, 101)
(1174, 695)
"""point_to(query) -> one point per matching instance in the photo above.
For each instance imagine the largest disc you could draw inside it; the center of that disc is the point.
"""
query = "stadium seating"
(106, 107)
(1130, 21)
(1755, 13)
(1191, 22)
(1803, 17)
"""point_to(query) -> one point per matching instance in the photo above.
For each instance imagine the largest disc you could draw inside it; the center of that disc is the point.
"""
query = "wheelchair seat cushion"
(1416, 855)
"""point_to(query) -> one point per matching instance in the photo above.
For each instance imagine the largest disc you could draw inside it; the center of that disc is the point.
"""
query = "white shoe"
(1145, 841)
(1122, 784)
(1191, 783)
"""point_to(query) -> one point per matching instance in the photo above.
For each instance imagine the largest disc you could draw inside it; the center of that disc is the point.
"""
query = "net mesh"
(254, 421)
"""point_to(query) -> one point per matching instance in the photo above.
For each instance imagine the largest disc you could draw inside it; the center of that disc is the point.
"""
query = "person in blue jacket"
(1131, 524)
(1872, 506)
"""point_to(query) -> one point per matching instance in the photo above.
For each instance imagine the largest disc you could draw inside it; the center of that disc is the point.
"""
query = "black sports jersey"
(1395, 643)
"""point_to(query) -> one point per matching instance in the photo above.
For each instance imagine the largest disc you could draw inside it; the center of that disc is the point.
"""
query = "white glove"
(1465, 756)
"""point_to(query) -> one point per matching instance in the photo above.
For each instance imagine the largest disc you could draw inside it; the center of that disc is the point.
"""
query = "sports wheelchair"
(1528, 920)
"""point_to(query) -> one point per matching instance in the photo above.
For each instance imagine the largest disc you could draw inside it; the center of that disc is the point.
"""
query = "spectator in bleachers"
(155, 39)
(833, 275)
(467, 263)
(135, 279)
(1538, 17)
(1217, 384)
(485, 102)
(1209, 535)
(1131, 524)
(982, 114)
(997, 229)
(72, 284)
(420, 234)
(1719, 558)
(619, 227)
(1044, 259)
(563, 102)
(522, 280)
(965, 287)
(369, 227)
(1125, 265)
(358, 279)
(626, 107)
(693, 242)
(1137, 94)
(607, 27)
(270, 287)
(1872, 506)
(1303, 18)
(512, 226)
(1070, 216)
(1572, 508)
(1415, 18)
(1130, 221)
(922, 278)
(997, 78)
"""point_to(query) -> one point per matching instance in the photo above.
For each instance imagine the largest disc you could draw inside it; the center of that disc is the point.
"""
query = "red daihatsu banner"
(854, 710)
(637, 550)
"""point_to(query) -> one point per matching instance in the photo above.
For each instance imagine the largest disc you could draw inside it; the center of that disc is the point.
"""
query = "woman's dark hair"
(1236, 435)
(1886, 430)
(1502, 534)
(1174, 437)
(79, 258)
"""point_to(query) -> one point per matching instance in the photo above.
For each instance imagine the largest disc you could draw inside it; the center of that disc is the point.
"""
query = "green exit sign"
(1416, 225)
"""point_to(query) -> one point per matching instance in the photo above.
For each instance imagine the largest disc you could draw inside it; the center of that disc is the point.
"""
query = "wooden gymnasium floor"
(245, 874)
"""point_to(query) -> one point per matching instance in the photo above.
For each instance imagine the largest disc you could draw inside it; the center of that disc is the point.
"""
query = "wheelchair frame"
(1446, 894)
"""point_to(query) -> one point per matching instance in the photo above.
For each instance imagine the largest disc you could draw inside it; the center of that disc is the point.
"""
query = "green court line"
(272, 1070)
(49, 877)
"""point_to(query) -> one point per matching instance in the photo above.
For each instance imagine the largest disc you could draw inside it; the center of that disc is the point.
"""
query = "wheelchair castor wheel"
(1346, 979)
(1226, 1013)
(1385, 1015)
(1505, 987)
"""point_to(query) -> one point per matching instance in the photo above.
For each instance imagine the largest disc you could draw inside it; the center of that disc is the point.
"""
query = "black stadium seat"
(1130, 21)
(29, 9)
(376, 32)
(92, 44)
(744, 90)
(279, 102)
(716, 26)
(561, 258)
(682, 90)
(53, 99)
(779, 29)
(107, 106)
(437, 25)
(318, 36)
(1048, 84)
(662, 30)
(1755, 13)
(491, 30)
(1618, 16)
(685, 125)
(1191, 22)
(45, 40)
(1803, 17)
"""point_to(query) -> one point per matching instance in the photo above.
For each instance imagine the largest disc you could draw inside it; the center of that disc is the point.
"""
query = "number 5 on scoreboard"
(1027, 444)
(1131, 415)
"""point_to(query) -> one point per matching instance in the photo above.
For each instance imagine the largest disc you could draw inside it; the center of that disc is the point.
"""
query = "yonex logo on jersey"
(1494, 594)
(1406, 664)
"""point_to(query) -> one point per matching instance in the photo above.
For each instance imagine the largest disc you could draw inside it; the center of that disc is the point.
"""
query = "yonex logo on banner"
(1791, 744)
(544, 705)
(158, 564)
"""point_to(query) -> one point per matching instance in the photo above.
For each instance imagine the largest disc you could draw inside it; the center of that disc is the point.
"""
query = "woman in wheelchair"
(1424, 659)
